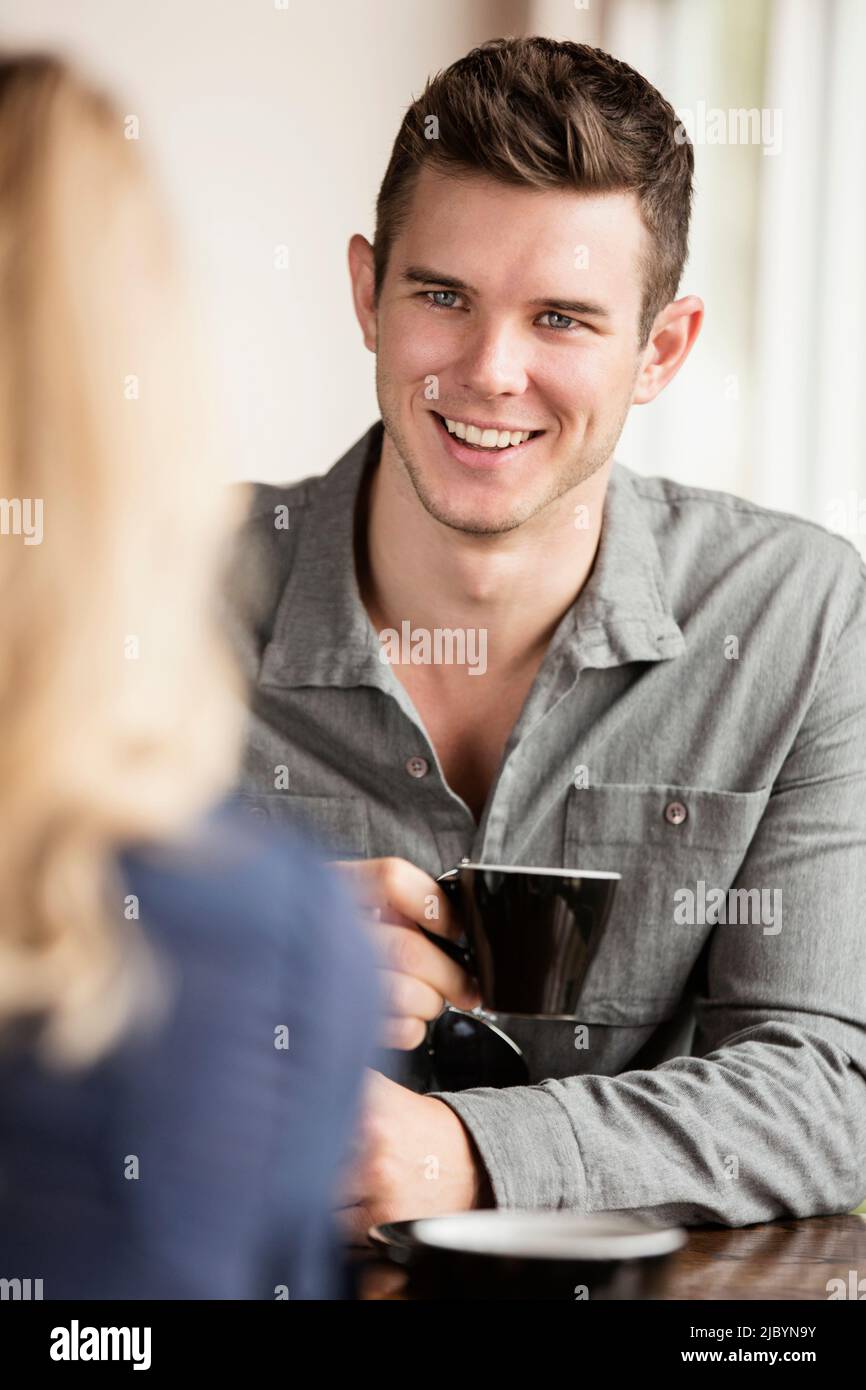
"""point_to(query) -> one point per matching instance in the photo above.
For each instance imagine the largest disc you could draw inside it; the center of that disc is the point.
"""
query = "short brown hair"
(551, 114)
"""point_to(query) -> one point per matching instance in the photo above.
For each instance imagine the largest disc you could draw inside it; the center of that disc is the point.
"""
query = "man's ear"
(363, 285)
(673, 334)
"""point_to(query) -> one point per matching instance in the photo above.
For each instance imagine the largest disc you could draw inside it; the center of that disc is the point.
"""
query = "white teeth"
(486, 439)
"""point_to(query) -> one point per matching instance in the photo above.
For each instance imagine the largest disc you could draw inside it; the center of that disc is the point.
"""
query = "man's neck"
(516, 585)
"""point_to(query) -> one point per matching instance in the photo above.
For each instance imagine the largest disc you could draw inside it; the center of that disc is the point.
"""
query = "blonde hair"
(120, 709)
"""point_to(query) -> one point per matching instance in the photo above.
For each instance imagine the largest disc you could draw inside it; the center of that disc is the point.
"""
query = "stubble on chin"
(448, 516)
(579, 470)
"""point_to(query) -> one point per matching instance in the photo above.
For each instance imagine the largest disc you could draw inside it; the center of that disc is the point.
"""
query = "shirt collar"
(323, 635)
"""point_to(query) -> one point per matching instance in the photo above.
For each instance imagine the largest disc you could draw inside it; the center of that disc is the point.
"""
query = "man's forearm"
(772, 1125)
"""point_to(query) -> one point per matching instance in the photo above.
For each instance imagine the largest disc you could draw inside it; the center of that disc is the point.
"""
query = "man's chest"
(615, 774)
(601, 763)
(468, 722)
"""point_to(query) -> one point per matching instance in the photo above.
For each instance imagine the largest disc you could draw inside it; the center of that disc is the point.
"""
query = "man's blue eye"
(565, 322)
(431, 296)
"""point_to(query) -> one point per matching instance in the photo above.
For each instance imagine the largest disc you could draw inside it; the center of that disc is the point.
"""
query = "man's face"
(511, 309)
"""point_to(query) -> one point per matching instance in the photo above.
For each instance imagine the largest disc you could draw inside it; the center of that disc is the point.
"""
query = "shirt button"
(417, 767)
(675, 813)
(257, 812)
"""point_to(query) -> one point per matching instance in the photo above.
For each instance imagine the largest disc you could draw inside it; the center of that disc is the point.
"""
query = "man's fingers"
(396, 898)
(388, 915)
(400, 891)
(403, 1034)
(408, 997)
(405, 951)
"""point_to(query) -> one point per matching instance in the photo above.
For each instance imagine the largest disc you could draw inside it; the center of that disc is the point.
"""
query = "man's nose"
(493, 362)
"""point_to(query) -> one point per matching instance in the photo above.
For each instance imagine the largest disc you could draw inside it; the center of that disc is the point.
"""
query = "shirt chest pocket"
(338, 824)
(662, 840)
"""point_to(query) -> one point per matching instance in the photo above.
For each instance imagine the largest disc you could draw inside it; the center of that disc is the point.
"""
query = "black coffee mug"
(531, 933)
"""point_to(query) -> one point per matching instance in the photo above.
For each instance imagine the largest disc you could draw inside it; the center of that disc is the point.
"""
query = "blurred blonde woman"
(185, 1007)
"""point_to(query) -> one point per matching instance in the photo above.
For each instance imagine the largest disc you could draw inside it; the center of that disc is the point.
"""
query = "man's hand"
(414, 1158)
(418, 978)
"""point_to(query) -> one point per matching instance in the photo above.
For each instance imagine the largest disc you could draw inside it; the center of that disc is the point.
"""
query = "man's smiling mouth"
(486, 439)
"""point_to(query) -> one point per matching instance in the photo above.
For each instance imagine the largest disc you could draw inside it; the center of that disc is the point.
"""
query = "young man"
(582, 667)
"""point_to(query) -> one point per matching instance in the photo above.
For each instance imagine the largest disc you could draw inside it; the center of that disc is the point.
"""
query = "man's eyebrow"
(425, 275)
(589, 307)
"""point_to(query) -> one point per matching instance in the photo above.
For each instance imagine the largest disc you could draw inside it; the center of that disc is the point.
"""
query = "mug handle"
(448, 881)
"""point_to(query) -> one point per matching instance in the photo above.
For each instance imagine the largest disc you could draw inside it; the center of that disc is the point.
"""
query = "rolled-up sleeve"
(767, 1116)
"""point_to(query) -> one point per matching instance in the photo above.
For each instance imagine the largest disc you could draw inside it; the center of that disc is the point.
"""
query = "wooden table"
(788, 1260)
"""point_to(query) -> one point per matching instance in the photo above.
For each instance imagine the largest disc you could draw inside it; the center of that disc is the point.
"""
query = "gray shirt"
(715, 660)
